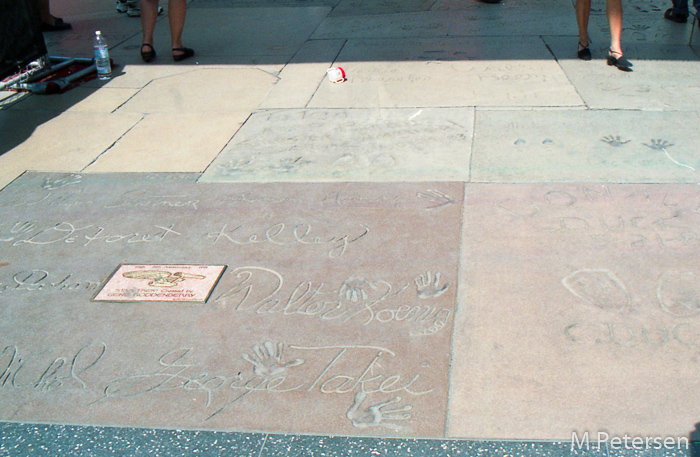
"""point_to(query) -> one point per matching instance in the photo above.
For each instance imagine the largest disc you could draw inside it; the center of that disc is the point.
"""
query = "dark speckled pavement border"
(68, 440)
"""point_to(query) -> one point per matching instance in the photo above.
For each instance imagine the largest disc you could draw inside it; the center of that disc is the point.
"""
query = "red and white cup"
(336, 74)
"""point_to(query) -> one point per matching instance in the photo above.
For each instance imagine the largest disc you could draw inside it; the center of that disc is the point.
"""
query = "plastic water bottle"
(104, 68)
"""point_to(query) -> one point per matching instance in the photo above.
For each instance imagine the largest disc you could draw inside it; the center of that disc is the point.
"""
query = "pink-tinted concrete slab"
(168, 283)
(334, 314)
(578, 311)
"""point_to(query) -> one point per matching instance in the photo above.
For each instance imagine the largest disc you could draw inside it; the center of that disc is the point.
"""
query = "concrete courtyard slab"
(311, 327)
(241, 35)
(77, 42)
(203, 90)
(663, 76)
(348, 145)
(368, 7)
(38, 140)
(299, 79)
(258, 3)
(78, 99)
(399, 25)
(578, 311)
(447, 72)
(585, 145)
(170, 143)
(561, 6)
(522, 22)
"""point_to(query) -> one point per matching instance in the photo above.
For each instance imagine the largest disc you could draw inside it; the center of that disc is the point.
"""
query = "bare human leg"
(177, 10)
(583, 11)
(149, 15)
(614, 13)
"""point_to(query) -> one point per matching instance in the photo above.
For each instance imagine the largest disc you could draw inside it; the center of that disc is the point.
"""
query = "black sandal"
(147, 56)
(186, 54)
(621, 63)
(583, 52)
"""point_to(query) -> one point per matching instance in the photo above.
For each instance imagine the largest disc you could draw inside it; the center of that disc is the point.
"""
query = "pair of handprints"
(268, 361)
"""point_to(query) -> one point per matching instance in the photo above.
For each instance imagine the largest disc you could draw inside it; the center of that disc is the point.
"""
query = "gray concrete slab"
(303, 315)
(348, 145)
(241, 35)
(585, 145)
(484, 21)
(260, 3)
(531, 22)
(642, 28)
(425, 24)
(368, 7)
(561, 6)
(653, 8)
(116, 28)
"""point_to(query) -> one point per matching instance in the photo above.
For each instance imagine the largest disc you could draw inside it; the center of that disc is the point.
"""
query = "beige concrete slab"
(206, 90)
(575, 146)
(578, 312)
(312, 328)
(133, 74)
(69, 142)
(300, 79)
(348, 145)
(447, 72)
(564, 49)
(663, 77)
(170, 143)
(83, 99)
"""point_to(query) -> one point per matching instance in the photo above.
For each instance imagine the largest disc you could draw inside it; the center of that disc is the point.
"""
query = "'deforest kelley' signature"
(345, 370)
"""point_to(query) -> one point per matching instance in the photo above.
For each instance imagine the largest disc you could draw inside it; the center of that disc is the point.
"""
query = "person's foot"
(584, 53)
(56, 24)
(147, 52)
(182, 53)
(679, 18)
(617, 60)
